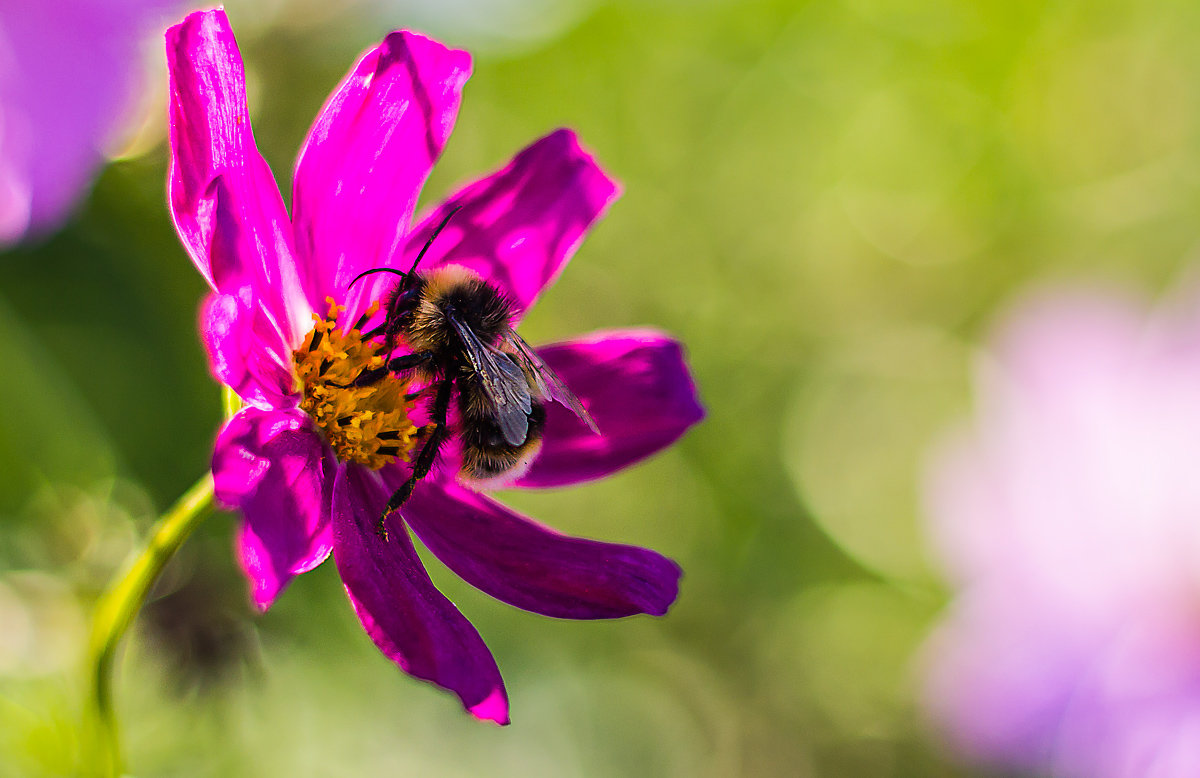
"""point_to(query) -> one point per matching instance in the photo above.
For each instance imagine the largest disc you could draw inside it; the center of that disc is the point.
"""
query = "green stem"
(116, 610)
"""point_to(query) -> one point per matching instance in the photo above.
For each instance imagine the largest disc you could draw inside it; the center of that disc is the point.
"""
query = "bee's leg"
(422, 434)
(397, 365)
(424, 461)
(423, 393)
(366, 378)
(409, 361)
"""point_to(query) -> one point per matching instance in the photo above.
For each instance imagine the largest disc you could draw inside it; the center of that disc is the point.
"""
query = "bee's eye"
(405, 300)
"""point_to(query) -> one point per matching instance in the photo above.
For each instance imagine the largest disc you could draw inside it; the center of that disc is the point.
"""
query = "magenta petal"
(637, 387)
(368, 154)
(516, 560)
(274, 468)
(223, 197)
(519, 226)
(402, 611)
(246, 350)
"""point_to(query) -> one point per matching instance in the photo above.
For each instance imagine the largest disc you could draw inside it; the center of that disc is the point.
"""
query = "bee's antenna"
(420, 256)
(393, 271)
(437, 230)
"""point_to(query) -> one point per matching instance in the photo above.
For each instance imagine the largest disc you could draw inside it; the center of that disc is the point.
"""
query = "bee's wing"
(546, 381)
(504, 384)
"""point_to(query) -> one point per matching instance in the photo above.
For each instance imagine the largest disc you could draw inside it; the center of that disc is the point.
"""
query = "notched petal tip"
(454, 65)
(494, 708)
(565, 142)
(665, 590)
(519, 226)
(211, 22)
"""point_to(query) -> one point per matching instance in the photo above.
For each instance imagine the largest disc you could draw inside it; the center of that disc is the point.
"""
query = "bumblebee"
(458, 328)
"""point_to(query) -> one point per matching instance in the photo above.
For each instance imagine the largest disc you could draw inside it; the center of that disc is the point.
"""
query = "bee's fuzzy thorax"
(485, 310)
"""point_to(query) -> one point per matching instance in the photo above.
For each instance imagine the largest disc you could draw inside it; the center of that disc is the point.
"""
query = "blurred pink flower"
(305, 492)
(1068, 520)
(69, 70)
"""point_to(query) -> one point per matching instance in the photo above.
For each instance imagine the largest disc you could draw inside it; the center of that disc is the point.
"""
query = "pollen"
(366, 424)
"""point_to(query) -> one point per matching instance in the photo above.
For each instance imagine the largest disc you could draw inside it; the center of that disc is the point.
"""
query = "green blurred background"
(828, 202)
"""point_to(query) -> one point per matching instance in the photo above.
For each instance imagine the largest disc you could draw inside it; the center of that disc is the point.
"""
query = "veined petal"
(275, 469)
(246, 350)
(223, 197)
(411, 622)
(637, 387)
(368, 155)
(520, 226)
(516, 560)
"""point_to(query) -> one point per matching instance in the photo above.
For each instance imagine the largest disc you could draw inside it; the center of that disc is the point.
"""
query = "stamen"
(356, 420)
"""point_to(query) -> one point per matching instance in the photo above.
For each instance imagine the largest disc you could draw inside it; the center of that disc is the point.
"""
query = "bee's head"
(403, 296)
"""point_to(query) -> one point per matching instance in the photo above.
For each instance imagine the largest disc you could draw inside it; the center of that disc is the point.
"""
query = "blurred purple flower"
(304, 489)
(69, 71)
(1068, 519)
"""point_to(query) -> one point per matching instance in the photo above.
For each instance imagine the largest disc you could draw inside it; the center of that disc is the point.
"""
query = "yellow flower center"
(364, 424)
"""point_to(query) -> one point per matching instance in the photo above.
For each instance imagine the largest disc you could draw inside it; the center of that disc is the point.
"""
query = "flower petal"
(275, 469)
(637, 387)
(367, 156)
(69, 82)
(519, 226)
(407, 617)
(223, 197)
(246, 351)
(1000, 675)
(516, 560)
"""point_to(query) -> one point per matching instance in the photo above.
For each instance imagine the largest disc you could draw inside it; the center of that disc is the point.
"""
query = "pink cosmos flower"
(1068, 519)
(68, 71)
(305, 485)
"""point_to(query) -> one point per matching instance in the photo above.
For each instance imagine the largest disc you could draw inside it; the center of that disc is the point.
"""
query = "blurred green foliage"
(827, 201)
